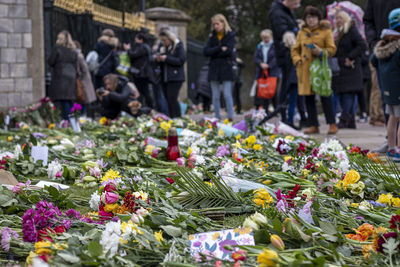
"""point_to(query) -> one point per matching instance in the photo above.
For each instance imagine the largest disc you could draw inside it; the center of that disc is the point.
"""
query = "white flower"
(332, 145)
(227, 169)
(200, 160)
(365, 206)
(18, 151)
(358, 189)
(38, 262)
(249, 223)
(309, 192)
(53, 168)
(67, 143)
(110, 238)
(94, 201)
(259, 219)
(142, 212)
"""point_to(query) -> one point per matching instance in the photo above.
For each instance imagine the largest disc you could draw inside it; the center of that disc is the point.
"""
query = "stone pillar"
(22, 52)
(177, 22)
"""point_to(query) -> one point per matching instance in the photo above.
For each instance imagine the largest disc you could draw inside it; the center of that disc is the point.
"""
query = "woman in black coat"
(64, 61)
(172, 57)
(350, 48)
(220, 47)
(140, 56)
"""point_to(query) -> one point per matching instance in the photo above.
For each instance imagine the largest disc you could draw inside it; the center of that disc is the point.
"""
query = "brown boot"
(312, 130)
(333, 129)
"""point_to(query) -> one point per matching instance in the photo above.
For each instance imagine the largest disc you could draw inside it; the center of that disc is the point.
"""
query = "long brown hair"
(64, 39)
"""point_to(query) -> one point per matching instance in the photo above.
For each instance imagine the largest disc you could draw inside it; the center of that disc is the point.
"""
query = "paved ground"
(366, 136)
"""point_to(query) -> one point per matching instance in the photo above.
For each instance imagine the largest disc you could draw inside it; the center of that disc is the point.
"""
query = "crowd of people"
(362, 70)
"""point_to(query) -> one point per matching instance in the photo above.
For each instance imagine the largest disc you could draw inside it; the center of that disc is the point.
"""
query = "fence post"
(48, 9)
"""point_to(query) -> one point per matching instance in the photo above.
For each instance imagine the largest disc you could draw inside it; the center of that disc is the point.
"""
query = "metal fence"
(195, 61)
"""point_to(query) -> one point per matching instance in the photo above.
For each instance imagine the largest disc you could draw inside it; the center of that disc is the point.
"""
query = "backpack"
(92, 60)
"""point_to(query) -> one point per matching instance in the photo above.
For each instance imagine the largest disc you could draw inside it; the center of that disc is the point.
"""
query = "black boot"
(343, 121)
(351, 122)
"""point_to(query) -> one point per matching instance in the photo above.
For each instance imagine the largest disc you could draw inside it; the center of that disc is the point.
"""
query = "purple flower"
(358, 217)
(377, 203)
(71, 213)
(39, 135)
(76, 107)
(101, 163)
(223, 151)
(6, 235)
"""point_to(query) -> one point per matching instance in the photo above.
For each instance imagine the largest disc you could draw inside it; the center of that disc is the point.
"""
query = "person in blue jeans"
(220, 47)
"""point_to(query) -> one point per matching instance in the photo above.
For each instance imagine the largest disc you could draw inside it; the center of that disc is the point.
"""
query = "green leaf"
(172, 230)
(328, 228)
(95, 249)
(277, 225)
(331, 238)
(68, 257)
(54, 193)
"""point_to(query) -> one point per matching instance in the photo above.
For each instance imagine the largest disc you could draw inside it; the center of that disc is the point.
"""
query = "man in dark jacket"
(375, 20)
(285, 28)
(119, 96)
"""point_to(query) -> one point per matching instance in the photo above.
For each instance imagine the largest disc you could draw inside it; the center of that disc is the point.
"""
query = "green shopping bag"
(321, 76)
(124, 64)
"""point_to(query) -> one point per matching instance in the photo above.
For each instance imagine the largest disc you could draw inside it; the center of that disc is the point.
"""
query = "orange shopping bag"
(266, 86)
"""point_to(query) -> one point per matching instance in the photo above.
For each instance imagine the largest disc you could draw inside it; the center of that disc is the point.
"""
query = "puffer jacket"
(322, 37)
(104, 47)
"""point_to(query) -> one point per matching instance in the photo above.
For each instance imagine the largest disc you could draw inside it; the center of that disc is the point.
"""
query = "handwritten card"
(212, 243)
(40, 153)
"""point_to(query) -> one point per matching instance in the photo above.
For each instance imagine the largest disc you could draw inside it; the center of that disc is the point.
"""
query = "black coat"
(103, 49)
(221, 62)
(282, 21)
(273, 69)
(172, 69)
(140, 58)
(376, 18)
(351, 45)
(64, 63)
(203, 85)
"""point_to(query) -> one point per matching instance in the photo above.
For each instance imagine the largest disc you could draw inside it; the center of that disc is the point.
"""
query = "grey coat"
(84, 76)
(63, 76)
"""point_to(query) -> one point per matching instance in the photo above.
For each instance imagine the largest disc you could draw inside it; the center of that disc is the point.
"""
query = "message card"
(40, 153)
(212, 243)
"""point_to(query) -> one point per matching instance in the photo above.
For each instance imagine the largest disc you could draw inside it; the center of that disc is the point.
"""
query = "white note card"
(40, 153)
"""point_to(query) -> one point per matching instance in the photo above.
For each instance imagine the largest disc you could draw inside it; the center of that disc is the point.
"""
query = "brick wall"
(21, 61)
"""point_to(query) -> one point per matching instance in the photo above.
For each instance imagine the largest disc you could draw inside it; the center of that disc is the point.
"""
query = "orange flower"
(373, 157)
(362, 233)
(366, 250)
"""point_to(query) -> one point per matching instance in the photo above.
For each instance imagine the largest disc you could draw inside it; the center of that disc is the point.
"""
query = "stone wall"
(21, 52)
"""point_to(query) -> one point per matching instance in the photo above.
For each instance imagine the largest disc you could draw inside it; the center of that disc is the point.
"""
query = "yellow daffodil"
(103, 120)
(267, 258)
(158, 236)
(257, 147)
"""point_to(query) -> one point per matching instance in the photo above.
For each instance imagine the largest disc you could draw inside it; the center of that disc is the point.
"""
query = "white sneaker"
(382, 149)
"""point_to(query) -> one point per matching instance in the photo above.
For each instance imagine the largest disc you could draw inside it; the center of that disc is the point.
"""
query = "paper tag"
(40, 153)
(212, 243)
(7, 120)
(41, 184)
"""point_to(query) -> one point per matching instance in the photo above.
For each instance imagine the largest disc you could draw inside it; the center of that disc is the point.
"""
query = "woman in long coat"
(63, 60)
(313, 38)
(349, 82)
(220, 48)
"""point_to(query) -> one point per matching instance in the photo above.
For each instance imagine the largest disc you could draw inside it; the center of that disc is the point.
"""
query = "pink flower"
(59, 174)
(170, 180)
(181, 162)
(110, 187)
(109, 198)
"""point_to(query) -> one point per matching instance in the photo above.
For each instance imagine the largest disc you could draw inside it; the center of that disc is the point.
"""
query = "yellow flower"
(210, 184)
(42, 247)
(267, 182)
(351, 177)
(158, 236)
(262, 197)
(10, 138)
(110, 175)
(109, 153)
(238, 136)
(286, 158)
(29, 259)
(215, 236)
(103, 120)
(165, 126)
(238, 145)
(149, 149)
(141, 194)
(272, 138)
(354, 205)
(366, 250)
(111, 208)
(191, 237)
(221, 132)
(52, 125)
(396, 202)
(257, 147)
(305, 172)
(259, 202)
(226, 121)
(385, 199)
(251, 140)
(125, 226)
(24, 127)
(189, 151)
(289, 137)
(267, 258)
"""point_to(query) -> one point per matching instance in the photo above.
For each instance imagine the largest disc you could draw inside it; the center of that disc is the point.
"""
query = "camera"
(101, 91)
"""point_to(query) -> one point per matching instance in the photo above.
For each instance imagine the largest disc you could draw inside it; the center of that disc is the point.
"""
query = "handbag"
(334, 65)
(266, 86)
(321, 76)
(80, 92)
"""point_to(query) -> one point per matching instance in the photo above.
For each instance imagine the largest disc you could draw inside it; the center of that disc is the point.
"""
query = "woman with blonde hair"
(63, 60)
(172, 57)
(350, 49)
(220, 48)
